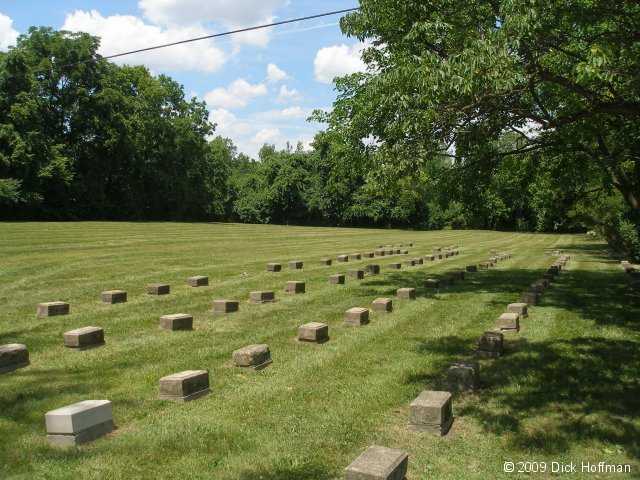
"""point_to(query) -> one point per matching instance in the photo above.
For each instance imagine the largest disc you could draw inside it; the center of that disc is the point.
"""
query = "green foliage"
(536, 104)
(94, 140)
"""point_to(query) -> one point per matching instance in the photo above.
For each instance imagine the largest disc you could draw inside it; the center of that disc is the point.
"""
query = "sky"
(259, 86)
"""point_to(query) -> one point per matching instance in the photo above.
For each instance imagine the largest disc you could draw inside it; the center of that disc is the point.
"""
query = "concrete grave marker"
(368, 254)
(358, 274)
(184, 386)
(431, 412)
(294, 288)
(255, 357)
(198, 281)
(354, 256)
(531, 298)
(395, 266)
(490, 344)
(378, 463)
(519, 308)
(326, 262)
(262, 297)
(509, 322)
(463, 375)
(158, 289)
(51, 309)
(176, 321)
(13, 356)
(356, 316)
(84, 338)
(343, 258)
(113, 296)
(406, 293)
(296, 265)
(79, 423)
(410, 262)
(313, 332)
(225, 306)
(337, 279)
(380, 252)
(274, 267)
(382, 305)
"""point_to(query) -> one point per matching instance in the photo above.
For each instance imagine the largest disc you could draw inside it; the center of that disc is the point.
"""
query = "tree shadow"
(301, 472)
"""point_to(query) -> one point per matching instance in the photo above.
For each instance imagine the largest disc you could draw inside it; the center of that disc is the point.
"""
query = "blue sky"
(259, 86)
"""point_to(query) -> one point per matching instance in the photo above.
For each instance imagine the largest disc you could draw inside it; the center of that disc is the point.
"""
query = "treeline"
(83, 138)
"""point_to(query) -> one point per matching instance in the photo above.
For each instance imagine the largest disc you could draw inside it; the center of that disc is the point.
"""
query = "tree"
(83, 138)
(452, 76)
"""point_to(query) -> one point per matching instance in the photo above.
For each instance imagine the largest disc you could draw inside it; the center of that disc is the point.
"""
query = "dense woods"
(499, 115)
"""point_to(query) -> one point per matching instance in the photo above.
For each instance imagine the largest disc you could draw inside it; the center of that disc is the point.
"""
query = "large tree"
(81, 137)
(451, 77)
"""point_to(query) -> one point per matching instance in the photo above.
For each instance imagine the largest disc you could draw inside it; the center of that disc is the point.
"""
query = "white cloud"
(228, 125)
(288, 95)
(235, 95)
(294, 112)
(267, 135)
(8, 35)
(275, 74)
(232, 14)
(338, 60)
(120, 33)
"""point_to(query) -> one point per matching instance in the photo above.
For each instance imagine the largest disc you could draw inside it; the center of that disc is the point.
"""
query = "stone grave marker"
(184, 386)
(79, 423)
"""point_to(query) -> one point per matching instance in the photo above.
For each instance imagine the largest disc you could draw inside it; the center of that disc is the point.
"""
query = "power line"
(223, 34)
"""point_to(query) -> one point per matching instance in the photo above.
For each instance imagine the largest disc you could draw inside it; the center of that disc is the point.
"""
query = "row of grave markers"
(431, 411)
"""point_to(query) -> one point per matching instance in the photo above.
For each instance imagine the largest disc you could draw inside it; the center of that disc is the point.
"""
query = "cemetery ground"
(566, 390)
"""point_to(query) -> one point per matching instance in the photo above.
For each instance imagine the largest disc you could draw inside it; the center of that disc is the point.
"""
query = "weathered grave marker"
(431, 412)
(294, 288)
(490, 344)
(357, 274)
(158, 289)
(463, 375)
(51, 309)
(314, 332)
(262, 297)
(509, 322)
(337, 279)
(406, 293)
(198, 281)
(382, 305)
(255, 357)
(356, 316)
(395, 266)
(274, 267)
(225, 306)
(184, 386)
(378, 463)
(84, 338)
(79, 423)
(13, 356)
(520, 308)
(176, 321)
(296, 265)
(113, 296)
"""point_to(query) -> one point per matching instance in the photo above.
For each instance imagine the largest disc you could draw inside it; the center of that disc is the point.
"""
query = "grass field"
(568, 389)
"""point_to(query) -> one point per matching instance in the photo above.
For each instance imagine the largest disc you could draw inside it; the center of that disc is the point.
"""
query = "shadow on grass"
(576, 387)
(550, 394)
(300, 472)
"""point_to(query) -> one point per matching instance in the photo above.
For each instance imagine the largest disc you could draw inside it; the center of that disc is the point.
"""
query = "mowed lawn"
(567, 390)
